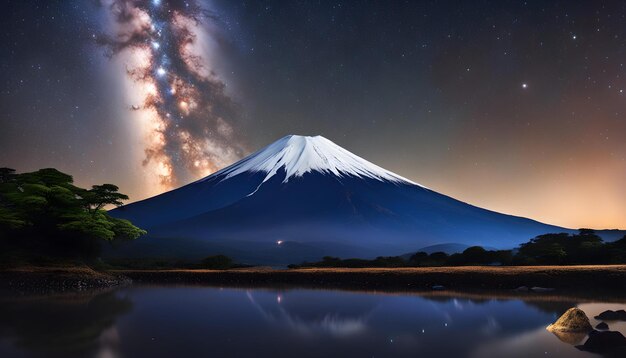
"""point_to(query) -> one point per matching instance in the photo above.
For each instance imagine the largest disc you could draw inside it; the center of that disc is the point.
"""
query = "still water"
(171, 321)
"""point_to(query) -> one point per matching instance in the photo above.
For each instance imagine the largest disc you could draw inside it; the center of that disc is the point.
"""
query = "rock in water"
(604, 342)
(541, 289)
(602, 326)
(612, 315)
(572, 321)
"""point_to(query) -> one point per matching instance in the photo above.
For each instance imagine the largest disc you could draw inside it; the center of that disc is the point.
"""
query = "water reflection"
(201, 321)
(333, 314)
(61, 325)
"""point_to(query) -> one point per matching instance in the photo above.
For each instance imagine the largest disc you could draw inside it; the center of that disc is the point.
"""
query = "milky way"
(190, 118)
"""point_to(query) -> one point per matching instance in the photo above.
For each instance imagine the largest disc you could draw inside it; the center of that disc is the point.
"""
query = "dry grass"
(495, 270)
(609, 278)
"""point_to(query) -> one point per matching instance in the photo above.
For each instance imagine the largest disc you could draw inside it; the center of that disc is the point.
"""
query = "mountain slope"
(301, 198)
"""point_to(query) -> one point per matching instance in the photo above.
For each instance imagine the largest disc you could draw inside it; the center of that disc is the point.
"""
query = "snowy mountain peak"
(298, 155)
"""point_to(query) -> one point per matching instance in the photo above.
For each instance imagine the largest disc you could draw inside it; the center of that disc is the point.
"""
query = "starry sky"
(515, 106)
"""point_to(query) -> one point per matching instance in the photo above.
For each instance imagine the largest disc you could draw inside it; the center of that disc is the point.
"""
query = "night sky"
(515, 106)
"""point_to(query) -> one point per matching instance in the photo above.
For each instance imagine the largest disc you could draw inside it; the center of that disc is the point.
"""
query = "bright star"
(161, 71)
(156, 45)
(573, 37)
(524, 85)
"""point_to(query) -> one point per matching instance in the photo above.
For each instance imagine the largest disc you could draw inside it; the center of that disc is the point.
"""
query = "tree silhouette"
(102, 195)
(44, 213)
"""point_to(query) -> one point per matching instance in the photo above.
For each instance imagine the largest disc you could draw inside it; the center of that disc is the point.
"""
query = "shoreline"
(53, 279)
(590, 280)
(569, 278)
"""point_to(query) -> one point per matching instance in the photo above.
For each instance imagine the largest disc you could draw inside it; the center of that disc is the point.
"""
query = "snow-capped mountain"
(298, 155)
(302, 198)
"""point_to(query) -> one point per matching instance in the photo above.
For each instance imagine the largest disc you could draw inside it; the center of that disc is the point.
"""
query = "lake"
(181, 321)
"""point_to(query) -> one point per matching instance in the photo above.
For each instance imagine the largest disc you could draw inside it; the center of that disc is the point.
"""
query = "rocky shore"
(58, 279)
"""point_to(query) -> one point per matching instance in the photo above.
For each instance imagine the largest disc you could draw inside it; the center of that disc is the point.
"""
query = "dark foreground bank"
(593, 279)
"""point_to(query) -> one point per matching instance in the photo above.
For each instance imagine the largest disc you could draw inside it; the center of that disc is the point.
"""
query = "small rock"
(541, 289)
(574, 320)
(603, 342)
(609, 315)
(602, 326)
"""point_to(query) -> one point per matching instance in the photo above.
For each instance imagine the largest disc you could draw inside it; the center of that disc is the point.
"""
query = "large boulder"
(604, 342)
(572, 321)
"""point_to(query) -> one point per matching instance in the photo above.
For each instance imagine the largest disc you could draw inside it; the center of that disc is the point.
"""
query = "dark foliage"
(43, 214)
(328, 261)
(563, 249)
(217, 262)
(549, 249)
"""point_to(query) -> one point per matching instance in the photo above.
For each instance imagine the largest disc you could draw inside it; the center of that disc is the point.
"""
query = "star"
(524, 85)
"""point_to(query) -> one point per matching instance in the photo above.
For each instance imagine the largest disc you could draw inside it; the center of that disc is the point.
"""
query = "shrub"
(217, 262)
